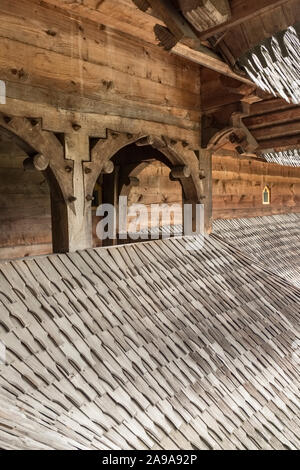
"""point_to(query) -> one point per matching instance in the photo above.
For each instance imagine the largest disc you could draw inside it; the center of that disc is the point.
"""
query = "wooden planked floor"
(149, 346)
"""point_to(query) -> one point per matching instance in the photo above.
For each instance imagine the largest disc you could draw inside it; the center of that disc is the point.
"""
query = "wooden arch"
(30, 136)
(133, 174)
(33, 138)
(232, 135)
(177, 154)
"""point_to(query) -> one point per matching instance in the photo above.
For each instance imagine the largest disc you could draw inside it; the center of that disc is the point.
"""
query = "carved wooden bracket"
(43, 148)
(177, 152)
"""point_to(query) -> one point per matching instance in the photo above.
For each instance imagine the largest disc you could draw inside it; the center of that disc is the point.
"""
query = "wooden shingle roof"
(273, 241)
(148, 346)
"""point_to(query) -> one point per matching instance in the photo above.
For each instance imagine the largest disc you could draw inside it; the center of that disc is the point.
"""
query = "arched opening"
(32, 206)
(143, 175)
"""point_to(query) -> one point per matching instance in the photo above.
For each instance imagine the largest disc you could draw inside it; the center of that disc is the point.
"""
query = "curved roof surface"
(273, 241)
(149, 346)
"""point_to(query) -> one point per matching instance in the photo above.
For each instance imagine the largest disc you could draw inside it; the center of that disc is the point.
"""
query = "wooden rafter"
(241, 11)
(280, 143)
(175, 22)
(179, 37)
(201, 57)
(270, 119)
(205, 14)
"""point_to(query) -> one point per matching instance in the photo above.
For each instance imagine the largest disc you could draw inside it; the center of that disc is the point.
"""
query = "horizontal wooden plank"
(236, 213)
(278, 130)
(92, 112)
(268, 106)
(205, 60)
(42, 103)
(18, 181)
(280, 143)
(85, 40)
(238, 186)
(91, 80)
(284, 116)
(121, 15)
(18, 206)
(22, 251)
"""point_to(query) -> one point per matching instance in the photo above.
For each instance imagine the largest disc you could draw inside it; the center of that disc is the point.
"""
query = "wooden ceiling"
(245, 12)
(275, 124)
(234, 40)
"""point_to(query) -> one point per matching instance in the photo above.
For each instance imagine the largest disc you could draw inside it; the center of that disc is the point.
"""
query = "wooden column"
(110, 188)
(79, 212)
(206, 183)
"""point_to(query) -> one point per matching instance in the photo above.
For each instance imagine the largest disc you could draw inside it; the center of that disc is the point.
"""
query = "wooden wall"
(156, 188)
(238, 185)
(51, 58)
(25, 216)
(66, 70)
(55, 65)
(25, 213)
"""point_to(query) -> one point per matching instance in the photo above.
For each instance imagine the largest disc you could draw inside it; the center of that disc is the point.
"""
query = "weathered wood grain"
(95, 67)
(238, 186)
(149, 346)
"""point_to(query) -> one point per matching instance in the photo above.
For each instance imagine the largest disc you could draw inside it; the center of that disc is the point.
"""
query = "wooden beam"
(280, 130)
(125, 17)
(93, 121)
(251, 142)
(190, 47)
(264, 120)
(205, 163)
(212, 62)
(242, 11)
(175, 22)
(269, 106)
(232, 153)
(205, 14)
(233, 86)
(79, 217)
(280, 143)
(121, 15)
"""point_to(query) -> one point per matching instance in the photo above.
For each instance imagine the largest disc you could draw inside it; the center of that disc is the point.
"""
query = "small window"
(266, 195)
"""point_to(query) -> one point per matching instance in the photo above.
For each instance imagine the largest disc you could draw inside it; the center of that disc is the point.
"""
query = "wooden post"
(206, 181)
(111, 196)
(59, 215)
(79, 212)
